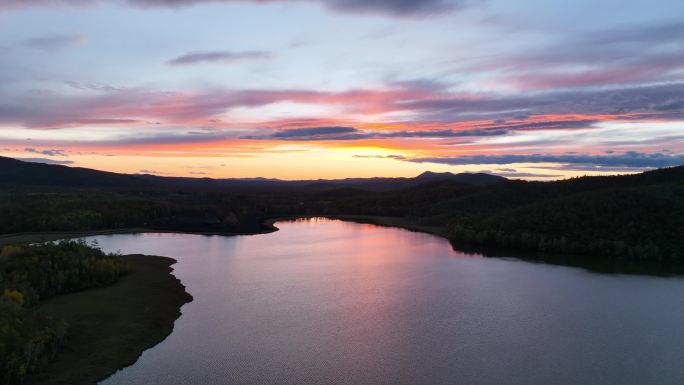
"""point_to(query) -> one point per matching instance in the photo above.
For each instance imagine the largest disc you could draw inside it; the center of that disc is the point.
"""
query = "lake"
(332, 302)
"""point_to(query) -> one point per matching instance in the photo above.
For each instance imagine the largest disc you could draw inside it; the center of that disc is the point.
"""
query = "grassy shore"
(48, 236)
(109, 328)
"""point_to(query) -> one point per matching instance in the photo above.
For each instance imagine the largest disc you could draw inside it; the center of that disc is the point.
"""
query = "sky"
(308, 89)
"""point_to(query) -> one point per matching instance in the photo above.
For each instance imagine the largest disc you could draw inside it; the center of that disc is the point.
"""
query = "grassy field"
(110, 327)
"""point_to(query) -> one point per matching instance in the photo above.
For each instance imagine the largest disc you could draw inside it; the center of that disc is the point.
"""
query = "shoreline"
(48, 236)
(111, 327)
(598, 265)
(268, 223)
(368, 219)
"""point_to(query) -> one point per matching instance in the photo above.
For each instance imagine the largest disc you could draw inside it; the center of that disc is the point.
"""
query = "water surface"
(332, 302)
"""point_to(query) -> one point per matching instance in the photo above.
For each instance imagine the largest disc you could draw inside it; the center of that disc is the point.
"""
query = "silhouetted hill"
(466, 177)
(14, 171)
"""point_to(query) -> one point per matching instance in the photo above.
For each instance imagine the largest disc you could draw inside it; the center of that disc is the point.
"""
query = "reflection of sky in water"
(322, 302)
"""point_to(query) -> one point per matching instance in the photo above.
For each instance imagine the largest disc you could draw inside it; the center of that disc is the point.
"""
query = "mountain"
(478, 179)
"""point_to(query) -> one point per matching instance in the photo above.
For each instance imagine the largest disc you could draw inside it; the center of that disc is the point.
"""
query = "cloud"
(314, 133)
(627, 159)
(152, 172)
(614, 101)
(644, 33)
(424, 109)
(593, 167)
(525, 175)
(594, 58)
(396, 8)
(45, 160)
(670, 105)
(55, 42)
(395, 157)
(388, 7)
(92, 86)
(52, 152)
(547, 125)
(218, 57)
(443, 133)
(15, 4)
(351, 133)
(164, 138)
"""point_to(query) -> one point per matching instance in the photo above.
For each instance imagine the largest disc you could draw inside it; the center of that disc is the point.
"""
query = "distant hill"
(478, 179)
(13, 171)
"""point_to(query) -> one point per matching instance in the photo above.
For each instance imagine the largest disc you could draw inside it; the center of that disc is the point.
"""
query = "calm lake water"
(331, 302)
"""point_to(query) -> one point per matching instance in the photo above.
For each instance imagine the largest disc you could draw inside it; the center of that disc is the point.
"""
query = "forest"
(634, 217)
(29, 339)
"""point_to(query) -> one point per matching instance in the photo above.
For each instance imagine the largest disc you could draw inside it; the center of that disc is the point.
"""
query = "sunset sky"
(304, 89)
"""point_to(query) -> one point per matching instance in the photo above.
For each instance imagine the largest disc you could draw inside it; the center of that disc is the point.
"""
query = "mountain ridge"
(21, 172)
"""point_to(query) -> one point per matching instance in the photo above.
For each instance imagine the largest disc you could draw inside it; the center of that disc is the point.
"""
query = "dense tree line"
(29, 274)
(635, 223)
(623, 217)
(38, 209)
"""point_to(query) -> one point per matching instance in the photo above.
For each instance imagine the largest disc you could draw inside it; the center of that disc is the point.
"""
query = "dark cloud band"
(218, 57)
(388, 7)
(628, 159)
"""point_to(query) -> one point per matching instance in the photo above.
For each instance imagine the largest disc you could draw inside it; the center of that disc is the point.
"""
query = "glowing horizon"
(309, 89)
